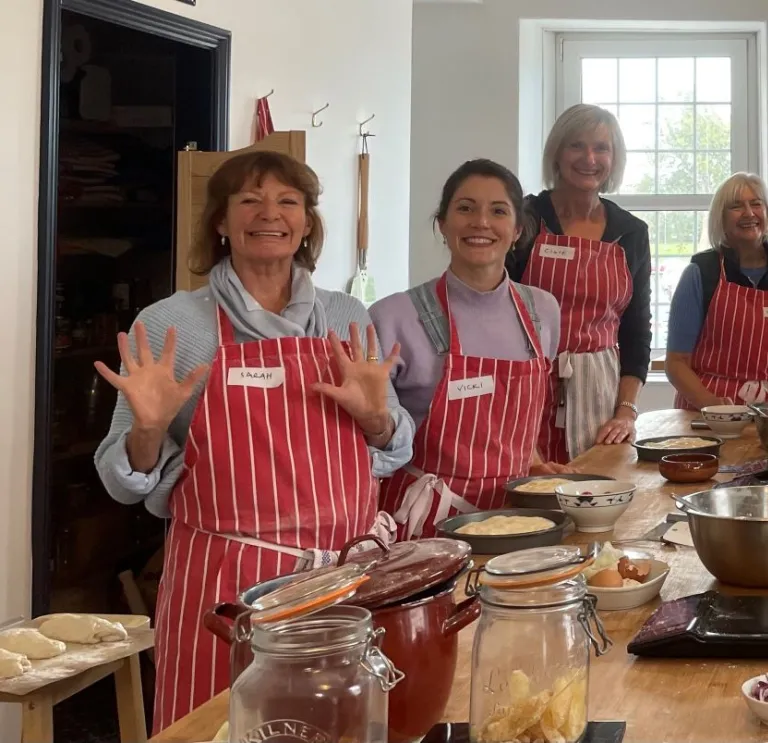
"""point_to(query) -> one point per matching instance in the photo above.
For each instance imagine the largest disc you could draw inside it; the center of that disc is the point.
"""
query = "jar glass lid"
(540, 566)
(305, 595)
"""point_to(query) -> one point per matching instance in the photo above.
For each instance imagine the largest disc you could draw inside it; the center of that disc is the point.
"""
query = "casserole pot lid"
(406, 569)
(317, 590)
(541, 566)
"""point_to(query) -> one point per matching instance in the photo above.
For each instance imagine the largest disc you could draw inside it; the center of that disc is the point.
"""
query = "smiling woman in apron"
(595, 258)
(717, 349)
(275, 460)
(475, 356)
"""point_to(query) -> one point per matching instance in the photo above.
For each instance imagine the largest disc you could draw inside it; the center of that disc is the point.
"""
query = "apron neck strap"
(441, 289)
(226, 331)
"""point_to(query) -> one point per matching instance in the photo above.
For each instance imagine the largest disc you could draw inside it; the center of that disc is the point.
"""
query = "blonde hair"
(728, 192)
(569, 125)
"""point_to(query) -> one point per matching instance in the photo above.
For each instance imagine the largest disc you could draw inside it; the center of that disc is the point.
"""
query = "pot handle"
(214, 620)
(463, 614)
(359, 540)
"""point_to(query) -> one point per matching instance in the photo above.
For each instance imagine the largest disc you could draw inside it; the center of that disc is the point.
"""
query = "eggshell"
(607, 579)
(638, 571)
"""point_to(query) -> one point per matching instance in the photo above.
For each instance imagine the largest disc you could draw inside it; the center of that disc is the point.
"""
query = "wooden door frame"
(139, 17)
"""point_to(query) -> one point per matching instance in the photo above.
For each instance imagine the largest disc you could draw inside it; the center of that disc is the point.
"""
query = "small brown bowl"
(689, 467)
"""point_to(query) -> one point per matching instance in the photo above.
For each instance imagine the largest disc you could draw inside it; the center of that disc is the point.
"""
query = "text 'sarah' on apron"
(270, 468)
(731, 355)
(480, 430)
(591, 281)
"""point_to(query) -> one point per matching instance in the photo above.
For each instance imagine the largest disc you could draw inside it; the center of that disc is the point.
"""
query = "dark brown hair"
(488, 169)
(229, 179)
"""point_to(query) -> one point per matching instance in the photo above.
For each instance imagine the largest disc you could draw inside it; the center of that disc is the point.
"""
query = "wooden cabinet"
(194, 170)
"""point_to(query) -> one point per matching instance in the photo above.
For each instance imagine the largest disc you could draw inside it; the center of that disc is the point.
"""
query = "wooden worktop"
(684, 701)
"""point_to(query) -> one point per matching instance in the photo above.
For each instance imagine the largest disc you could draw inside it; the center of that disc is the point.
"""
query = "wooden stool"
(38, 702)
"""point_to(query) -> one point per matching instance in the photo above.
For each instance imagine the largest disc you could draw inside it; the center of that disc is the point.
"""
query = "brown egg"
(607, 578)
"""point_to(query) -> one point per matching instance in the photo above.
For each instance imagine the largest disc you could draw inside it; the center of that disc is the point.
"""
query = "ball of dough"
(82, 629)
(13, 664)
(30, 642)
(223, 735)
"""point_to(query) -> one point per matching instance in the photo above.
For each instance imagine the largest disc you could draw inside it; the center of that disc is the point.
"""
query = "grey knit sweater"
(193, 314)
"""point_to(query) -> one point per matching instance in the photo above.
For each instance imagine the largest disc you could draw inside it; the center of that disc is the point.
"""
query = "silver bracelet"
(630, 405)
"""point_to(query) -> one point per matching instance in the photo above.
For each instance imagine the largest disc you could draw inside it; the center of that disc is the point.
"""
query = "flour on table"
(13, 664)
(30, 642)
(82, 629)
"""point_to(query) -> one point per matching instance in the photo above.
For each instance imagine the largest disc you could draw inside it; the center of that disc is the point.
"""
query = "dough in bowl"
(13, 664)
(82, 629)
(497, 526)
(30, 642)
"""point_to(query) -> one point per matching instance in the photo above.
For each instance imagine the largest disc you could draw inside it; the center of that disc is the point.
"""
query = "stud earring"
(223, 241)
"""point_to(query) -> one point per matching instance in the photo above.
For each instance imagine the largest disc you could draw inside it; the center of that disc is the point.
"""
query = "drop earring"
(223, 241)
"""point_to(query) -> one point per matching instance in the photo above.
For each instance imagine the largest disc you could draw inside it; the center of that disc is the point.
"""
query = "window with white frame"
(687, 111)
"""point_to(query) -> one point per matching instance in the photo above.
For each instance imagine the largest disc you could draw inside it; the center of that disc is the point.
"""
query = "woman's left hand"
(365, 381)
(550, 468)
(619, 429)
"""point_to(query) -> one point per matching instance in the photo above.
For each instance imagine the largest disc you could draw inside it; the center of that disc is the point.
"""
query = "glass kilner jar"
(318, 675)
(530, 659)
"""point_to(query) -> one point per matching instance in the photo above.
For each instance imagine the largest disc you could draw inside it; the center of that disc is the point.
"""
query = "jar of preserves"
(530, 659)
(317, 673)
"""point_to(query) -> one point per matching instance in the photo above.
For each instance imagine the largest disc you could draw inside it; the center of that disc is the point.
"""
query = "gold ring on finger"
(372, 358)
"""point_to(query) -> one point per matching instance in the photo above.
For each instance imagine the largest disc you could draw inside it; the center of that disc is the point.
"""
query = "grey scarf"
(303, 316)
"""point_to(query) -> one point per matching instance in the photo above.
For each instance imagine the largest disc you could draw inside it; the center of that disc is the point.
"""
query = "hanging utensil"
(362, 286)
(262, 120)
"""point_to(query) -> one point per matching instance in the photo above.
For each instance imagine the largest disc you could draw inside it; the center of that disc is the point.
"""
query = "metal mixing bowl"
(729, 527)
(762, 425)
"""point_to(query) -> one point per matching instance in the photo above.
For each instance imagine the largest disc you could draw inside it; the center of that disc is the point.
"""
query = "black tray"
(650, 454)
(458, 732)
(521, 499)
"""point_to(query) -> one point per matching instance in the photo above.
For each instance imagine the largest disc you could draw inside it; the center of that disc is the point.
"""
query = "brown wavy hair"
(229, 179)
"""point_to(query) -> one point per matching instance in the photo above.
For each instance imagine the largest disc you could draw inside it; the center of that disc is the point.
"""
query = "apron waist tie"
(418, 499)
(383, 527)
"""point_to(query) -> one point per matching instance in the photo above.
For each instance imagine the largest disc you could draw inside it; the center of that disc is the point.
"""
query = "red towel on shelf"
(263, 126)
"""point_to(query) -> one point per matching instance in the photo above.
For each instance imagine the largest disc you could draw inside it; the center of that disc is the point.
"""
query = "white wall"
(466, 75)
(354, 54)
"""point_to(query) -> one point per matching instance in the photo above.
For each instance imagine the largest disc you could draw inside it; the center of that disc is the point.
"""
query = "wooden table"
(680, 701)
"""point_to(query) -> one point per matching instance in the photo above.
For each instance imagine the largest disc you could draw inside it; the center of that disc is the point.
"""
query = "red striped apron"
(591, 281)
(262, 465)
(731, 355)
(470, 445)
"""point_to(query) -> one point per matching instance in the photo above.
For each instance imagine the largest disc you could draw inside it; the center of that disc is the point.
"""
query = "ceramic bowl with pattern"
(595, 505)
(727, 421)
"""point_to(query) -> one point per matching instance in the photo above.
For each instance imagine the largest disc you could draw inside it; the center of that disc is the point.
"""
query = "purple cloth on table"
(487, 325)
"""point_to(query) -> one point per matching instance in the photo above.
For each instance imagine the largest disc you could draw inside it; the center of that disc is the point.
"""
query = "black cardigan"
(631, 234)
(708, 262)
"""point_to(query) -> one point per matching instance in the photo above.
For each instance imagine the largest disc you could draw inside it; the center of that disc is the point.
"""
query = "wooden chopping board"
(79, 658)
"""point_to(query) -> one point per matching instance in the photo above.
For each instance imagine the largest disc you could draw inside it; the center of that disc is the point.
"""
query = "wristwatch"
(630, 405)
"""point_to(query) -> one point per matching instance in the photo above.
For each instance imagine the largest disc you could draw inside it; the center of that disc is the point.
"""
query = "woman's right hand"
(150, 386)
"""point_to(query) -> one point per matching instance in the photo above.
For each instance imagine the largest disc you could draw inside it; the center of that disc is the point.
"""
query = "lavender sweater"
(487, 323)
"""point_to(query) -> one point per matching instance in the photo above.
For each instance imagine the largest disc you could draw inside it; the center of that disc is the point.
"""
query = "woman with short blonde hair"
(595, 258)
(717, 347)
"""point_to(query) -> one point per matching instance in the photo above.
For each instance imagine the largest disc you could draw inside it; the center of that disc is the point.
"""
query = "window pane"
(676, 233)
(675, 172)
(675, 80)
(660, 315)
(713, 127)
(713, 79)
(638, 124)
(640, 173)
(712, 168)
(599, 80)
(702, 231)
(672, 270)
(637, 80)
(650, 218)
(676, 127)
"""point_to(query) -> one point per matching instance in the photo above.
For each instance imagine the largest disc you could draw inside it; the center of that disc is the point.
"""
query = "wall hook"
(315, 124)
(268, 94)
(363, 123)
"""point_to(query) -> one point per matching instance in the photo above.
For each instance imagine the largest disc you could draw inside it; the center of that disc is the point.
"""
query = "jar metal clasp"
(377, 664)
(587, 617)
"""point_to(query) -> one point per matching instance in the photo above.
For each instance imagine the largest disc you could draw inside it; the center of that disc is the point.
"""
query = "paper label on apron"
(460, 389)
(765, 311)
(557, 251)
(256, 376)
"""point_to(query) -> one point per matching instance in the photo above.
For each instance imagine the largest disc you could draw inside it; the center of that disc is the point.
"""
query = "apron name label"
(765, 311)
(463, 388)
(557, 251)
(263, 377)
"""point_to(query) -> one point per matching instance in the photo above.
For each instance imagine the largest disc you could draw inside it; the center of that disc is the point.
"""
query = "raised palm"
(150, 386)
(365, 382)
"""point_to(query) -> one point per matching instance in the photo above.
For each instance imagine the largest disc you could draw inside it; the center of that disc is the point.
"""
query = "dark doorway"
(125, 87)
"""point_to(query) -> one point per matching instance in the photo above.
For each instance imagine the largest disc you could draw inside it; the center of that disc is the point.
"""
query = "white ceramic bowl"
(621, 599)
(727, 421)
(595, 505)
(759, 708)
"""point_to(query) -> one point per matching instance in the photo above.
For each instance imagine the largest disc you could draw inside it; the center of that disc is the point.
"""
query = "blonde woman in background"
(595, 258)
(717, 348)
